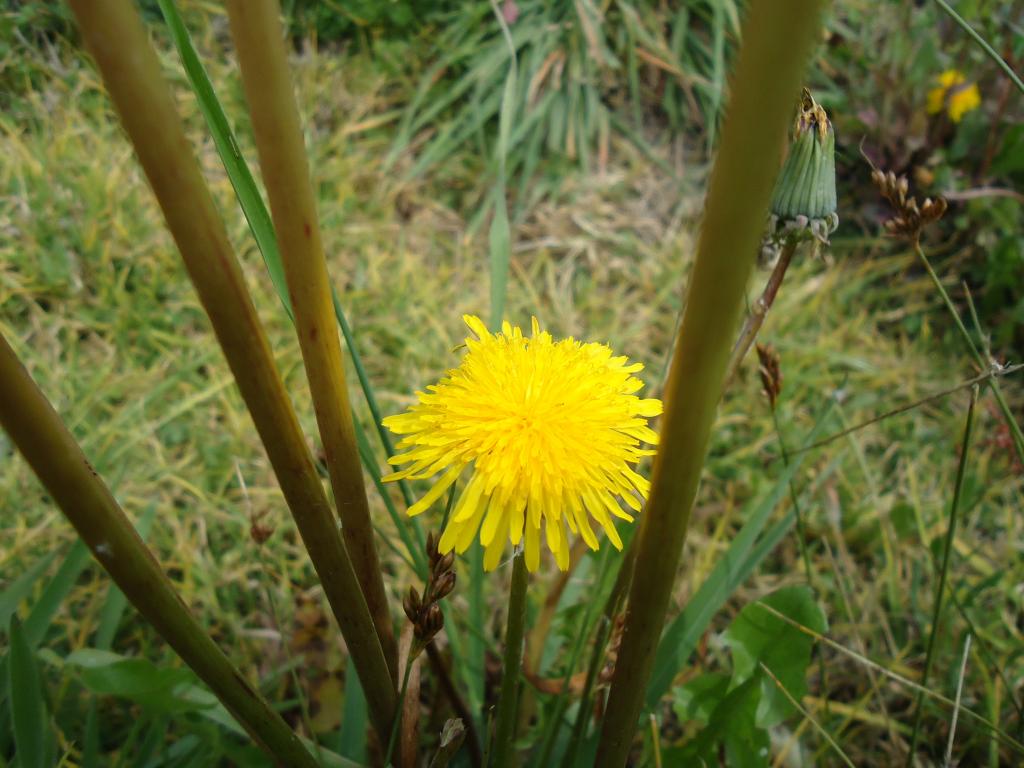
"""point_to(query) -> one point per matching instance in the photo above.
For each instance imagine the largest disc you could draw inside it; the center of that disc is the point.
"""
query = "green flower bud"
(804, 200)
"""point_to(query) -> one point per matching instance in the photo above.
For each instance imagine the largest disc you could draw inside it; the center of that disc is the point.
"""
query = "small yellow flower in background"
(549, 430)
(954, 94)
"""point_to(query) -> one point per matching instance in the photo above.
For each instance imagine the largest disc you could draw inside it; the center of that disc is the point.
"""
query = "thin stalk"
(956, 706)
(979, 379)
(983, 365)
(131, 72)
(58, 461)
(597, 653)
(259, 42)
(554, 724)
(503, 751)
(777, 40)
(988, 49)
(943, 571)
(396, 727)
(371, 403)
(444, 678)
(417, 559)
(752, 325)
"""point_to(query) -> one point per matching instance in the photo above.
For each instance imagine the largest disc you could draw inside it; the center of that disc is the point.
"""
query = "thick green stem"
(115, 36)
(515, 631)
(947, 548)
(777, 39)
(259, 40)
(51, 451)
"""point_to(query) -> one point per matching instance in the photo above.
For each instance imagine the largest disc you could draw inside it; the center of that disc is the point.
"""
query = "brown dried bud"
(444, 586)
(430, 623)
(431, 548)
(771, 373)
(412, 604)
(909, 218)
(447, 562)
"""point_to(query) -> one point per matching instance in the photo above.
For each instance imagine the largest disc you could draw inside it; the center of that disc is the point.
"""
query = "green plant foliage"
(731, 725)
(758, 637)
(736, 710)
(159, 689)
(33, 738)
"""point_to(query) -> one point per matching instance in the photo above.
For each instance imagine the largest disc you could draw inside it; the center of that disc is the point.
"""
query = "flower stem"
(752, 325)
(259, 40)
(503, 752)
(943, 570)
(777, 39)
(444, 678)
(119, 43)
(58, 461)
(396, 726)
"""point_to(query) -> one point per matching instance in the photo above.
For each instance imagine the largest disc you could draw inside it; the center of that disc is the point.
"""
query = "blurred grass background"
(619, 104)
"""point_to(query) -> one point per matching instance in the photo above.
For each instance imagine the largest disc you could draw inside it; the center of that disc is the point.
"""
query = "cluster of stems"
(341, 544)
(344, 555)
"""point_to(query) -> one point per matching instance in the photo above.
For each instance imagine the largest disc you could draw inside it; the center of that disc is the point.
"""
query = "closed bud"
(805, 193)
(444, 586)
(411, 604)
(434, 621)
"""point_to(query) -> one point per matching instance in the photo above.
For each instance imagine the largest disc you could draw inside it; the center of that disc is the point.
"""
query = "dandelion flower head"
(549, 431)
(954, 94)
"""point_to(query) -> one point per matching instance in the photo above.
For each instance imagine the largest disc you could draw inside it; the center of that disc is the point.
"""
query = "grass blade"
(21, 587)
(354, 722)
(238, 172)
(32, 736)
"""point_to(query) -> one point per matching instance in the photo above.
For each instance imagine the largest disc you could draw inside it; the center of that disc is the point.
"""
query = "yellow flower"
(954, 94)
(549, 431)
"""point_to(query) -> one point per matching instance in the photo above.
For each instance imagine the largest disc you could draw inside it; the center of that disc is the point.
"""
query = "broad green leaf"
(732, 725)
(32, 738)
(158, 689)
(698, 698)
(758, 636)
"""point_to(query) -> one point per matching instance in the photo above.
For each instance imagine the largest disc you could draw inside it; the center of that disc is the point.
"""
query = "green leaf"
(158, 689)
(32, 737)
(45, 607)
(758, 636)
(698, 698)
(354, 719)
(732, 725)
